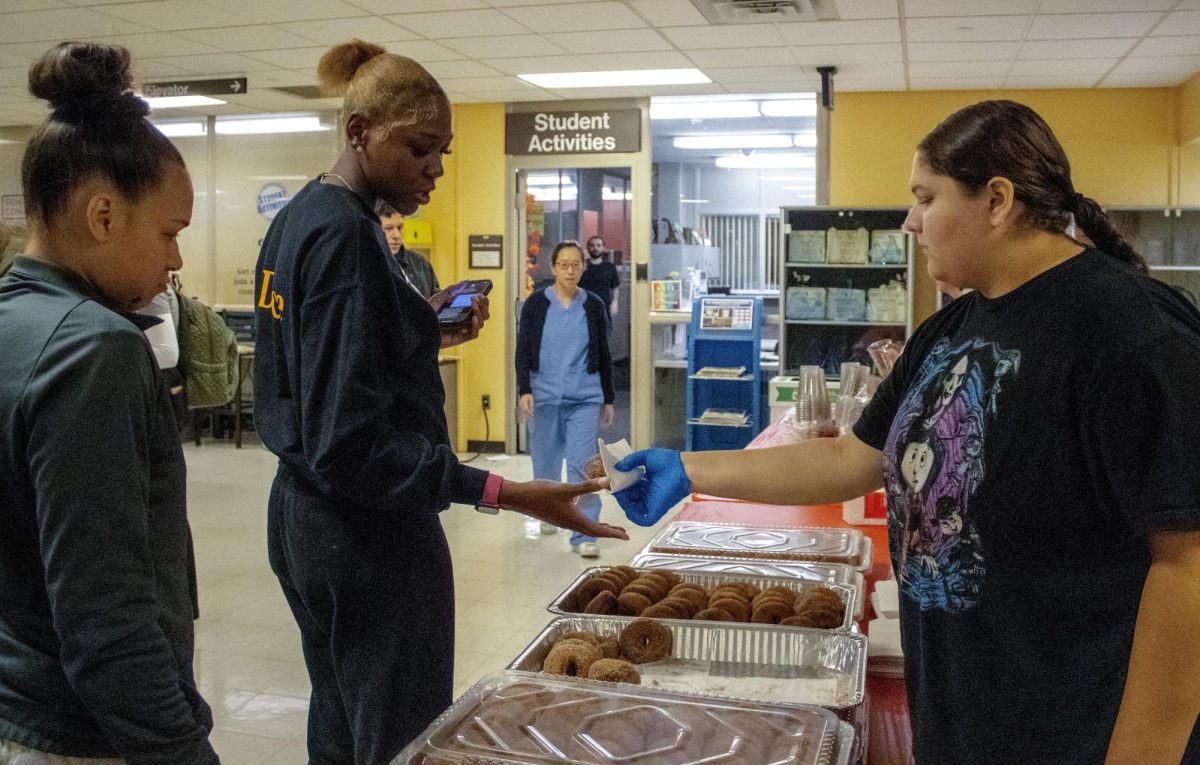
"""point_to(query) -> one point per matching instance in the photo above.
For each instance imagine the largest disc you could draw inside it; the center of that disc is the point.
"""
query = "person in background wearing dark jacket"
(564, 378)
(349, 397)
(416, 269)
(600, 276)
(96, 609)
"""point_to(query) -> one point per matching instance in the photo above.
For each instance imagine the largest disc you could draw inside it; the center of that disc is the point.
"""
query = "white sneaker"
(587, 549)
(549, 528)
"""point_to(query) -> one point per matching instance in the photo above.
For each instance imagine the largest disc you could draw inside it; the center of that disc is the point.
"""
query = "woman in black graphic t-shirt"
(1046, 537)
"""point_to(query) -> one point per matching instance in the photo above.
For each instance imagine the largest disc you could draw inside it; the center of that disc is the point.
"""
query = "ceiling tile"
(1188, 5)
(866, 86)
(967, 51)
(422, 50)
(928, 69)
(956, 83)
(1103, 6)
(464, 68)
(1144, 80)
(1180, 65)
(967, 28)
(837, 32)
(914, 8)
(536, 64)
(159, 44)
(513, 3)
(742, 57)
(628, 40)
(294, 58)
(1060, 49)
(868, 70)
(213, 63)
(278, 78)
(797, 75)
(596, 16)
(499, 47)
(1167, 46)
(1180, 23)
(459, 24)
(417, 6)
(171, 14)
(17, 6)
(820, 55)
(335, 31)
(488, 85)
(271, 11)
(647, 60)
(669, 13)
(1084, 25)
(867, 9)
(641, 91)
(150, 69)
(1051, 81)
(62, 24)
(1063, 67)
(238, 39)
(732, 36)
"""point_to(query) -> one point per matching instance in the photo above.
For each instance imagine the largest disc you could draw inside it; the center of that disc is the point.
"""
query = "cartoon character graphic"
(934, 464)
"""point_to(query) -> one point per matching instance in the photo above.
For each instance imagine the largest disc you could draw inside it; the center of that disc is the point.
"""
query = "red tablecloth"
(889, 738)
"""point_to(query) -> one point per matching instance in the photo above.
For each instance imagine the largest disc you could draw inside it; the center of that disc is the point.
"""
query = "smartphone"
(458, 311)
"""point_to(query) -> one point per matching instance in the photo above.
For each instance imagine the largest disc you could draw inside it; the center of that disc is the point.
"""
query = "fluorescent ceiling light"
(703, 110)
(806, 107)
(616, 79)
(744, 141)
(260, 125)
(805, 140)
(179, 102)
(182, 129)
(767, 160)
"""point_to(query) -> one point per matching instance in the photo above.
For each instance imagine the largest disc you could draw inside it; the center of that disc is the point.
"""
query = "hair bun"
(338, 65)
(73, 74)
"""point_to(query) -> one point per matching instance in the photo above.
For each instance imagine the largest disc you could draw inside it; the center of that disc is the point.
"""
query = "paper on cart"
(610, 455)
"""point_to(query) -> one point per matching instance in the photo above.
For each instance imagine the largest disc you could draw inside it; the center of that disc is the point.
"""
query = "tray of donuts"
(820, 573)
(810, 545)
(628, 592)
(518, 718)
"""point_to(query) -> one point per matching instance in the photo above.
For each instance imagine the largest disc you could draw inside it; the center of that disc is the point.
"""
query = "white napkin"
(883, 638)
(610, 455)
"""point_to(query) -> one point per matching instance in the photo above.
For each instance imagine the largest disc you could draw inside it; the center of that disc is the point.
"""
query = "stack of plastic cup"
(852, 396)
(813, 409)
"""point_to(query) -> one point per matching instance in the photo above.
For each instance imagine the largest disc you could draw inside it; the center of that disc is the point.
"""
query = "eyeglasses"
(573, 265)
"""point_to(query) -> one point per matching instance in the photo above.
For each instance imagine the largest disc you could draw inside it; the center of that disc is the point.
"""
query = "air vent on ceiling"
(765, 11)
(301, 91)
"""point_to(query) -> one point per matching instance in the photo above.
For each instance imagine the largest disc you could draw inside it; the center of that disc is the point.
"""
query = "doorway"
(584, 204)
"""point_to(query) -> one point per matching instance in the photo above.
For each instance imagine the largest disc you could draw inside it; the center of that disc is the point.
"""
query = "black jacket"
(529, 340)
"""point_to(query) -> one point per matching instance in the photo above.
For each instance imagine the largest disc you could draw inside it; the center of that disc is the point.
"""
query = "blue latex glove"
(663, 485)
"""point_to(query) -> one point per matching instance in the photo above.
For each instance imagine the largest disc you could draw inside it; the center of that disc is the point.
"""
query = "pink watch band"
(491, 491)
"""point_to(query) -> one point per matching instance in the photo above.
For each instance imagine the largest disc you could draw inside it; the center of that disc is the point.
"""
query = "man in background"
(600, 276)
(417, 269)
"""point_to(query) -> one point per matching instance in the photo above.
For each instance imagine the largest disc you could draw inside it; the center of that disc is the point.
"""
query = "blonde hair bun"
(337, 67)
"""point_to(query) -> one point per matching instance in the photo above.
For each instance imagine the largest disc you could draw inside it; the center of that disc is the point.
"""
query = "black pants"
(373, 594)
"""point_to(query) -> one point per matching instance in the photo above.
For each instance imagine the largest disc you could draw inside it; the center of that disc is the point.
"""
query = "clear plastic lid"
(515, 717)
(824, 545)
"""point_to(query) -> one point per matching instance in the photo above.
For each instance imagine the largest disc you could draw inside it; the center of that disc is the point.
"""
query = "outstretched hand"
(554, 503)
(664, 484)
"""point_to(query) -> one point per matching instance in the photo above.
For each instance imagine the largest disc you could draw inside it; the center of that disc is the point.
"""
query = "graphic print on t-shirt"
(934, 464)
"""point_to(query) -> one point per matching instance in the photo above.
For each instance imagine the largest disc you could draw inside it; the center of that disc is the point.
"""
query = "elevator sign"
(573, 132)
(227, 86)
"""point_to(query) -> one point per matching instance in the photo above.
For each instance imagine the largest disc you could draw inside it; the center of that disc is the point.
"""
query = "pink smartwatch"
(490, 501)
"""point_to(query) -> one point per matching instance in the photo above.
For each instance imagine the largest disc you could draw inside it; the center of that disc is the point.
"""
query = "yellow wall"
(470, 200)
(1189, 110)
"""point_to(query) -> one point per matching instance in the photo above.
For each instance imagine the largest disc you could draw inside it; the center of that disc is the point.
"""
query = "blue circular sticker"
(271, 199)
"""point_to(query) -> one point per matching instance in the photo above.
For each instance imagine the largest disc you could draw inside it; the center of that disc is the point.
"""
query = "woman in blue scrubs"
(564, 377)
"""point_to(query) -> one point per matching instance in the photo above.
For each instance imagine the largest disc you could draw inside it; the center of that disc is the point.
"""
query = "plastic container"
(566, 604)
(870, 510)
(515, 718)
(820, 545)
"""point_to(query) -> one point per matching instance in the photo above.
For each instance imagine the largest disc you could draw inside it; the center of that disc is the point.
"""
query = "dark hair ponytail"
(1005, 139)
(97, 128)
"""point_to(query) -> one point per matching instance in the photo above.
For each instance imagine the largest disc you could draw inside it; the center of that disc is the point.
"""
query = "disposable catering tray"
(821, 573)
(567, 604)
(750, 662)
(515, 718)
(809, 545)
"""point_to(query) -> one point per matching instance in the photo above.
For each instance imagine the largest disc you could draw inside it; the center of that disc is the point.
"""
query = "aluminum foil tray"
(515, 718)
(826, 545)
(566, 603)
(821, 573)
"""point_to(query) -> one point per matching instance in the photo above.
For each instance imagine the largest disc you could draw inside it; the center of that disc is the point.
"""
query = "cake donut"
(646, 640)
(614, 671)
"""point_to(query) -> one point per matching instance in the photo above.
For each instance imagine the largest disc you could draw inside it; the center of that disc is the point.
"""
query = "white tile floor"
(248, 660)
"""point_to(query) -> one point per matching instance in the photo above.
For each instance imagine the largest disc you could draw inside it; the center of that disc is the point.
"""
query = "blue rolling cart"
(724, 392)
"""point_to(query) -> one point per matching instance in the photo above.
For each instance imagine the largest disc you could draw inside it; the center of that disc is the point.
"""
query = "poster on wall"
(12, 207)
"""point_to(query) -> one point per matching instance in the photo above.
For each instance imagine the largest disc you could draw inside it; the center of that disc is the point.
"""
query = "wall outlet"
(487, 401)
